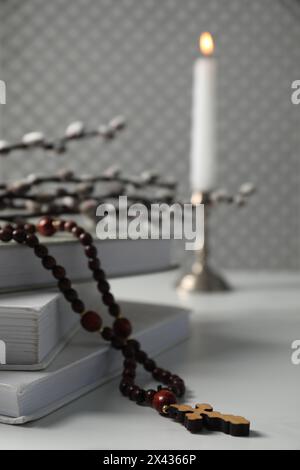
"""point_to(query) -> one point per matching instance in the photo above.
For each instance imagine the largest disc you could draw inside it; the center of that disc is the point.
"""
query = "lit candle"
(203, 139)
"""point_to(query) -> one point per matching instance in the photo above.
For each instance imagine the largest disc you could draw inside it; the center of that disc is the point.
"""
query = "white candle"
(203, 164)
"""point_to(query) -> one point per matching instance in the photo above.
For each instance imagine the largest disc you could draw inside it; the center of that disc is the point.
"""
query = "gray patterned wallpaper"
(92, 59)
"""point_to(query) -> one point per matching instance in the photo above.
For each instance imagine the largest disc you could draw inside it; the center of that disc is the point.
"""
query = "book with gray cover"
(118, 257)
(86, 362)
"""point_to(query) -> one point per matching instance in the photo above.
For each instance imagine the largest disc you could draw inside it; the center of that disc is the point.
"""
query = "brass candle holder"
(201, 277)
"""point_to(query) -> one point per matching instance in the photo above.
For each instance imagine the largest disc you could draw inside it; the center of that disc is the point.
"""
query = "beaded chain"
(119, 334)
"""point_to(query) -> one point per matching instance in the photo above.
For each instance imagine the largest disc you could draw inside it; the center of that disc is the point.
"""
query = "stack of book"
(46, 360)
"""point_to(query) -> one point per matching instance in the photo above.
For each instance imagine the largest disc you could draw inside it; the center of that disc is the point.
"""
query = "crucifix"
(203, 416)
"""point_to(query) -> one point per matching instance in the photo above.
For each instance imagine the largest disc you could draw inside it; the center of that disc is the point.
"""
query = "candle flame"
(206, 44)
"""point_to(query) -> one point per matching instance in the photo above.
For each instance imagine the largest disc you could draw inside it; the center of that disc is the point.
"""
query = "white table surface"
(238, 358)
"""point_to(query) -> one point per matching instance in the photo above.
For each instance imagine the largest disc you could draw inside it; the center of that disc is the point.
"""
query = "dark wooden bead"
(45, 227)
(108, 299)
(176, 377)
(107, 333)
(64, 284)
(78, 306)
(41, 251)
(70, 295)
(163, 398)
(90, 251)
(103, 286)
(94, 264)
(130, 389)
(60, 224)
(149, 365)
(77, 231)
(129, 372)
(137, 394)
(129, 363)
(122, 327)
(134, 343)
(178, 390)
(141, 356)
(176, 380)
(86, 238)
(19, 235)
(99, 275)
(32, 240)
(117, 343)
(157, 373)
(59, 272)
(165, 376)
(124, 385)
(114, 310)
(127, 351)
(69, 225)
(140, 396)
(30, 228)
(5, 235)
(134, 392)
(91, 321)
(48, 262)
(150, 395)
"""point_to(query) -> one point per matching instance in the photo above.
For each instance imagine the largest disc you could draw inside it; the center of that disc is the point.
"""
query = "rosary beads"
(91, 320)
(164, 399)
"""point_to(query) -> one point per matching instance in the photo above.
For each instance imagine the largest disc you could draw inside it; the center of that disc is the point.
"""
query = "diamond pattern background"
(92, 59)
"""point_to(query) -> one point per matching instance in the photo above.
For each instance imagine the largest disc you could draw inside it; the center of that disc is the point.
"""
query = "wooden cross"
(194, 419)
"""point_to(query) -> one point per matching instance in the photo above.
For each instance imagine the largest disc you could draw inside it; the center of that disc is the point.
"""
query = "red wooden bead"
(163, 398)
(45, 227)
(122, 327)
(91, 321)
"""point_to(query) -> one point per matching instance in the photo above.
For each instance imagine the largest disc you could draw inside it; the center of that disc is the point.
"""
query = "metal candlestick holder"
(201, 277)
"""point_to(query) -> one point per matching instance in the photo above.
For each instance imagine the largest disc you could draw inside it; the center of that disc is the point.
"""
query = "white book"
(33, 328)
(23, 270)
(85, 363)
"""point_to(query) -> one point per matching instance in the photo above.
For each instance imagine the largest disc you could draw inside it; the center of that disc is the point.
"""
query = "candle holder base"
(202, 279)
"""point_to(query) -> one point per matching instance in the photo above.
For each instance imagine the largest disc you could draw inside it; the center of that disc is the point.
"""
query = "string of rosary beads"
(118, 335)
